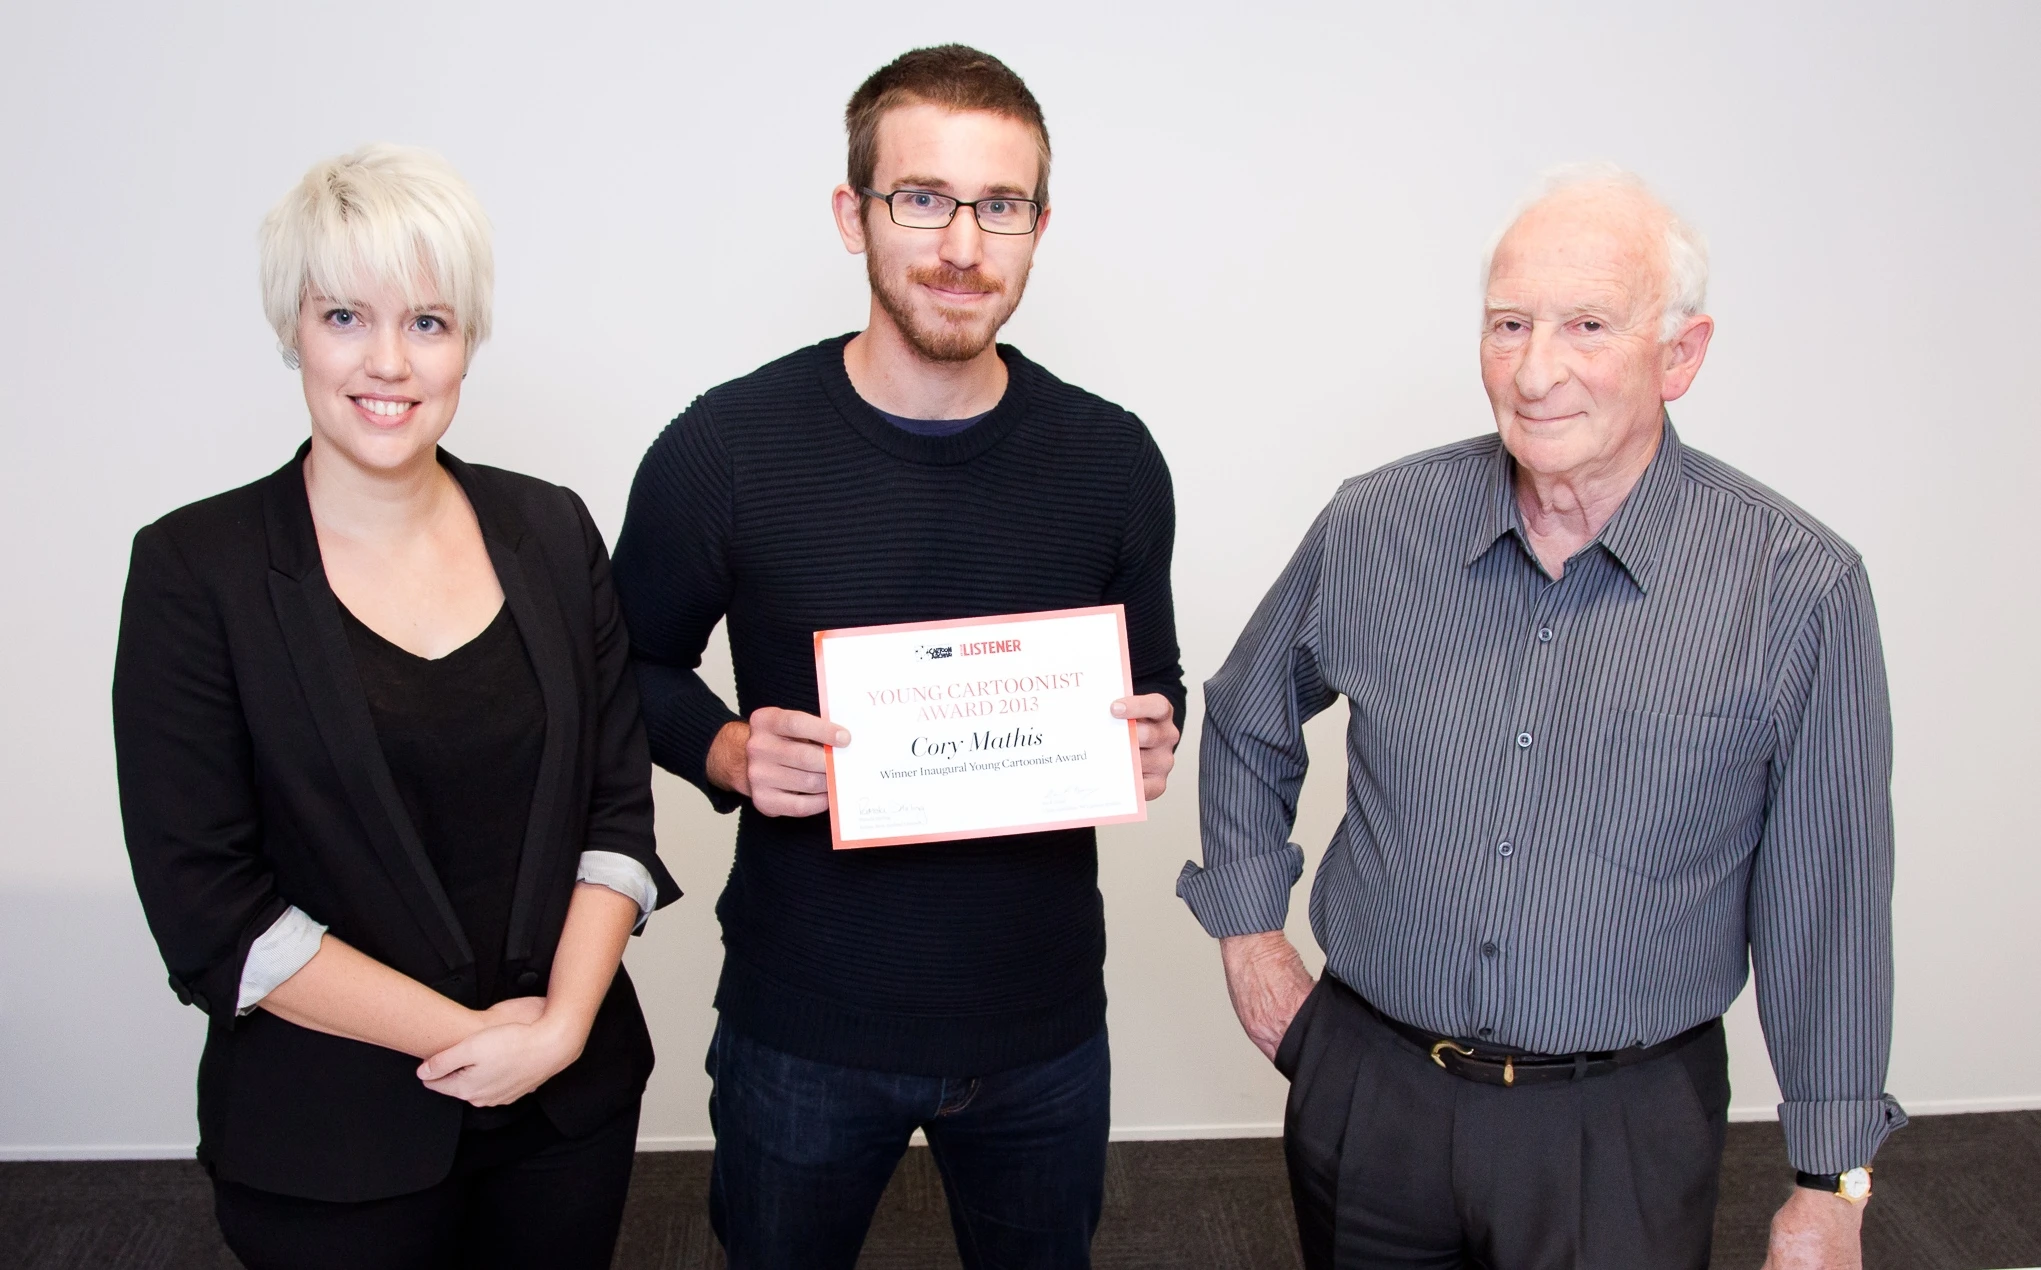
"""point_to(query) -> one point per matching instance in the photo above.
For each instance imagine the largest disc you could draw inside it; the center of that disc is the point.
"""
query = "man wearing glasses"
(915, 471)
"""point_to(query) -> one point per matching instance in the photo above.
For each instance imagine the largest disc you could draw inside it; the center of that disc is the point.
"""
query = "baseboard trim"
(145, 1151)
(1921, 1107)
(684, 1143)
(1120, 1133)
(1182, 1132)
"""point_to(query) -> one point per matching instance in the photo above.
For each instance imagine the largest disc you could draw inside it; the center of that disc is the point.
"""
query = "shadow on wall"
(100, 1058)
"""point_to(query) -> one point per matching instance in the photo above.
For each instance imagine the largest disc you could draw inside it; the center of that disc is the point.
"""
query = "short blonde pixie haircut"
(393, 214)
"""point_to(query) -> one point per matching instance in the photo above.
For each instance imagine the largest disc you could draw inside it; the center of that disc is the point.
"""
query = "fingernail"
(1119, 711)
(842, 737)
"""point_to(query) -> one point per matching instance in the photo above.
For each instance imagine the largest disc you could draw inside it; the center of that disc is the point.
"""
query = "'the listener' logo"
(986, 646)
(978, 648)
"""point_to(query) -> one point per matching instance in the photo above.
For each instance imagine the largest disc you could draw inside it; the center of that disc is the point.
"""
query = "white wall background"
(1268, 227)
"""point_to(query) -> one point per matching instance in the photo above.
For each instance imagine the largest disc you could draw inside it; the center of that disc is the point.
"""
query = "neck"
(889, 374)
(370, 506)
(1564, 511)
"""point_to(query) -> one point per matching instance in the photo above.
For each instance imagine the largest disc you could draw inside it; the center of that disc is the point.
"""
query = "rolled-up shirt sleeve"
(622, 874)
(1252, 757)
(1821, 889)
(276, 955)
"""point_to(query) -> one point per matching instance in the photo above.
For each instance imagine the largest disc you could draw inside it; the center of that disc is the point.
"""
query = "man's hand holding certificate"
(985, 726)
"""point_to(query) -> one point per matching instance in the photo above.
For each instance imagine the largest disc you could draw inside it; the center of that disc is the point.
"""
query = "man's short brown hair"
(951, 76)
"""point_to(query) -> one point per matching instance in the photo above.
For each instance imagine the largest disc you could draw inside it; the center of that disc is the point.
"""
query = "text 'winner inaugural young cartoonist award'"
(979, 727)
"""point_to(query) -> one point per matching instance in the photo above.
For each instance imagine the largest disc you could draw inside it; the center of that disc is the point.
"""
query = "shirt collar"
(1633, 535)
(1500, 517)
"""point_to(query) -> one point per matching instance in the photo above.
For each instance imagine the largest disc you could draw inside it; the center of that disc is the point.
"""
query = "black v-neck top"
(463, 735)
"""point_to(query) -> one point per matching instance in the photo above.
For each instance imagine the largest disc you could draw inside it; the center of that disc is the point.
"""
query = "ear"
(1042, 223)
(849, 208)
(1684, 355)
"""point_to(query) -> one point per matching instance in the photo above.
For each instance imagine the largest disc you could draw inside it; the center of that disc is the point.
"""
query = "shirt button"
(1489, 950)
(1487, 1031)
(1544, 635)
(1523, 740)
(1505, 850)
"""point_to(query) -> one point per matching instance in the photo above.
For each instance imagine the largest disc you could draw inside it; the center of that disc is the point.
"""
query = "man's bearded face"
(910, 294)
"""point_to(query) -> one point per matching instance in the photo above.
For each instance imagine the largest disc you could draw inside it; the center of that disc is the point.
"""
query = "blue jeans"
(804, 1150)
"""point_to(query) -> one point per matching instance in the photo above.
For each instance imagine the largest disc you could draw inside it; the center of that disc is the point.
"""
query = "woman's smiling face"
(382, 373)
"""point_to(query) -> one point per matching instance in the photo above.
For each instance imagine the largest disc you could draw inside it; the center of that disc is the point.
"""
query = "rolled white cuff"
(276, 955)
(622, 874)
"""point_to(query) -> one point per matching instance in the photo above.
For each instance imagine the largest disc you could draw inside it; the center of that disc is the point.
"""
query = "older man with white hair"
(1618, 729)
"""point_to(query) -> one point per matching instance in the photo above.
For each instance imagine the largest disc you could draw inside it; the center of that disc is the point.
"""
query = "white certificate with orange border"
(979, 727)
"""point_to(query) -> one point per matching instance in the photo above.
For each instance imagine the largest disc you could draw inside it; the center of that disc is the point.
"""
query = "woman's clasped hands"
(519, 1048)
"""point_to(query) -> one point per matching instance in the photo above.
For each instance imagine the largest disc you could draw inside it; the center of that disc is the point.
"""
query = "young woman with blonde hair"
(385, 785)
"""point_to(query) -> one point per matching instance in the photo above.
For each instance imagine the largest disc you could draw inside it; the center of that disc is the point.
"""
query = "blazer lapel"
(310, 617)
(522, 572)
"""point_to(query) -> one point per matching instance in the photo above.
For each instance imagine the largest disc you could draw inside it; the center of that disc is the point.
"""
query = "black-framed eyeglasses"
(921, 209)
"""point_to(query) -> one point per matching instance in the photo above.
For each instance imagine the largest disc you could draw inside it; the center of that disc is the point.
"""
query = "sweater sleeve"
(672, 576)
(1147, 542)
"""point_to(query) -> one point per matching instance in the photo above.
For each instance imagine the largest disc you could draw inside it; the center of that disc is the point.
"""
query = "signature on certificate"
(1076, 798)
(877, 813)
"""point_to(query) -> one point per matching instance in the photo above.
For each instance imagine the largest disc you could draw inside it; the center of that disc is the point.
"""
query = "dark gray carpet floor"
(1954, 1193)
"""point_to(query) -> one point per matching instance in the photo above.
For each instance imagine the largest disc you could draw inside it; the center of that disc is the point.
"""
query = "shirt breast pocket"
(1681, 790)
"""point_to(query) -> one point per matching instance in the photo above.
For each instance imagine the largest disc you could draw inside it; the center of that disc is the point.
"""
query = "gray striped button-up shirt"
(1572, 805)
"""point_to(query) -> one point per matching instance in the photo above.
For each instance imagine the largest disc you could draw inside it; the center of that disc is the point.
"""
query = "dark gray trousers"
(1396, 1162)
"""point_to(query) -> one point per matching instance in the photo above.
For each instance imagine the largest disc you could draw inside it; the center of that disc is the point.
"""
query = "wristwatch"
(1853, 1185)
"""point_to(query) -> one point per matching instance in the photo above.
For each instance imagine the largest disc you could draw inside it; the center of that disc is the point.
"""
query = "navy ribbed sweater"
(785, 502)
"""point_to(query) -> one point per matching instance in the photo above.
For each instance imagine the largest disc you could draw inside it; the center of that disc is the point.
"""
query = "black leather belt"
(1496, 1067)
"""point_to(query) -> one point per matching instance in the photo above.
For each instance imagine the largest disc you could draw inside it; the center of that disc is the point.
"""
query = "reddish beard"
(954, 335)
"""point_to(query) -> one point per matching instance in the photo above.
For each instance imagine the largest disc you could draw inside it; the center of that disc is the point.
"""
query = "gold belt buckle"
(1509, 1062)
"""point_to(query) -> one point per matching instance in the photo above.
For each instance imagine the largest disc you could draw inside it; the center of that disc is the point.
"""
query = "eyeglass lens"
(918, 209)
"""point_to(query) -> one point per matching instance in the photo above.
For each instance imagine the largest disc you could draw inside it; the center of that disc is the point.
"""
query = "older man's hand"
(1268, 983)
(1813, 1231)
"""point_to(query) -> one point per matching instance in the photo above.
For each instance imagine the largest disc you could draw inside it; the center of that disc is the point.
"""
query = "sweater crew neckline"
(957, 447)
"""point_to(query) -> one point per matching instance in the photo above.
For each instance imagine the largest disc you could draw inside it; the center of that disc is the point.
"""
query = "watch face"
(1855, 1184)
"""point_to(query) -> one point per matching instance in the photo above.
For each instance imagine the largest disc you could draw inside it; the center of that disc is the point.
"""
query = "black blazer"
(251, 779)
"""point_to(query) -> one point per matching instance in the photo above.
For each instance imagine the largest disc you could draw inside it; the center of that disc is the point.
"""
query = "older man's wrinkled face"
(1570, 352)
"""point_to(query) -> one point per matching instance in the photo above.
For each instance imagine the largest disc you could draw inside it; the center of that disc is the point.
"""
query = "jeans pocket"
(1289, 1049)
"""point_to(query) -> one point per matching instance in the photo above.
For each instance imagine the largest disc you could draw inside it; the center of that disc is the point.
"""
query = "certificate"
(979, 727)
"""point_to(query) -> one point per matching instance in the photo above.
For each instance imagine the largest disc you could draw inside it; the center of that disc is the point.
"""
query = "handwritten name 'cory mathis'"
(975, 698)
(979, 742)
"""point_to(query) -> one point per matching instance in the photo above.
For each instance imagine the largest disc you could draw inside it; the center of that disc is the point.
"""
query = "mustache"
(951, 278)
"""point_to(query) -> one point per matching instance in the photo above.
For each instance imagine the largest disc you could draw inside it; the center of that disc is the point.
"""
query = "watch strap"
(1834, 1183)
